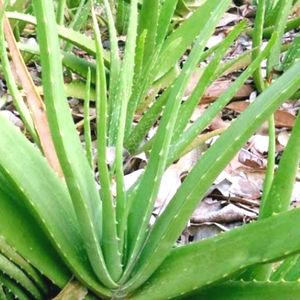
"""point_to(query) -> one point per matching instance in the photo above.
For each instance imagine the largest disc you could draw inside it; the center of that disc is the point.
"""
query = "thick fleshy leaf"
(200, 264)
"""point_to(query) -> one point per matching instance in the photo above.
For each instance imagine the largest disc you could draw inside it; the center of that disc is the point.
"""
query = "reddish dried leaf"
(282, 118)
(219, 87)
(35, 104)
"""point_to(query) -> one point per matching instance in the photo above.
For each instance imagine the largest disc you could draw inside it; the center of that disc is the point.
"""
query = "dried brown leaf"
(35, 103)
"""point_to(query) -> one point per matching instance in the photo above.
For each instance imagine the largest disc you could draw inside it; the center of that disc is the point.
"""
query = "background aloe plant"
(68, 221)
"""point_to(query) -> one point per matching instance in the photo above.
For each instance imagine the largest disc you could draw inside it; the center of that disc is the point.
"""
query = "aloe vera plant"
(72, 226)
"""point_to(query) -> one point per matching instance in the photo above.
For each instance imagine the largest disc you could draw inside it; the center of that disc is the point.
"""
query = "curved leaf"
(191, 267)
(77, 171)
(47, 198)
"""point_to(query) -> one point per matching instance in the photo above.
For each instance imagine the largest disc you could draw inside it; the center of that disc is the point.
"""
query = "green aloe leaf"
(281, 19)
(219, 258)
(166, 13)
(284, 268)
(12, 271)
(87, 122)
(172, 221)
(125, 89)
(76, 64)
(80, 18)
(179, 40)
(15, 215)
(284, 179)
(146, 69)
(55, 215)
(148, 23)
(143, 201)
(249, 290)
(13, 89)
(202, 122)
(110, 243)
(292, 54)
(18, 260)
(2, 294)
(76, 38)
(13, 289)
(78, 174)
(115, 65)
(208, 76)
(293, 273)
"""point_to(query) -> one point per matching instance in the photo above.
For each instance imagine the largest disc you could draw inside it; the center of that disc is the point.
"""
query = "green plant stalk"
(110, 238)
(87, 125)
(142, 82)
(79, 65)
(122, 16)
(293, 273)
(271, 160)
(148, 22)
(164, 58)
(159, 85)
(76, 64)
(150, 67)
(74, 37)
(145, 58)
(179, 40)
(237, 63)
(13, 89)
(292, 54)
(80, 18)
(263, 272)
(254, 247)
(127, 73)
(257, 43)
(2, 294)
(139, 56)
(75, 89)
(201, 123)
(78, 174)
(283, 182)
(171, 222)
(14, 290)
(146, 122)
(273, 59)
(208, 76)
(12, 271)
(152, 114)
(201, 139)
(56, 218)
(18, 260)
(290, 25)
(237, 290)
(280, 273)
(269, 5)
(14, 214)
(60, 13)
(273, 13)
(166, 13)
(114, 73)
(147, 190)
